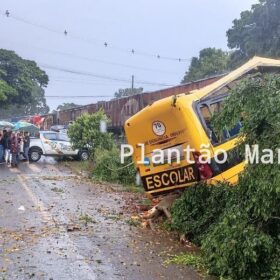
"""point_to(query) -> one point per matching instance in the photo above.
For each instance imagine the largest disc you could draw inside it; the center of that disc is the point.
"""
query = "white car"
(54, 144)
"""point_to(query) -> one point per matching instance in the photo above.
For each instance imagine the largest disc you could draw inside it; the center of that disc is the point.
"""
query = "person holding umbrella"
(28, 128)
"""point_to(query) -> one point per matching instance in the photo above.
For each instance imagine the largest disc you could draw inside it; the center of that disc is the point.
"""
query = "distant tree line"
(256, 32)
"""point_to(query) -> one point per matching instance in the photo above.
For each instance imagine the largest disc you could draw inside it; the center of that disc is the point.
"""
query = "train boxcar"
(120, 109)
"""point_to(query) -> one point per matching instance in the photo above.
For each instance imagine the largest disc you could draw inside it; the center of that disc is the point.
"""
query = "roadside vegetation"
(108, 167)
(238, 228)
(190, 259)
(104, 151)
(85, 132)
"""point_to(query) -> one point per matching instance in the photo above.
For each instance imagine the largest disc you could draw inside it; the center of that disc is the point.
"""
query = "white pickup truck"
(54, 144)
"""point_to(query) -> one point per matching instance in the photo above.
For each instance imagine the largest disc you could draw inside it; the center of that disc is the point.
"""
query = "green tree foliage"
(107, 167)
(66, 106)
(256, 32)
(245, 244)
(18, 78)
(6, 91)
(37, 106)
(198, 209)
(242, 239)
(128, 92)
(85, 132)
(211, 61)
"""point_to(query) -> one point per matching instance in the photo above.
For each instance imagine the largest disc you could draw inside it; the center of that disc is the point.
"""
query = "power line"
(87, 82)
(101, 76)
(106, 62)
(106, 44)
(94, 82)
(78, 96)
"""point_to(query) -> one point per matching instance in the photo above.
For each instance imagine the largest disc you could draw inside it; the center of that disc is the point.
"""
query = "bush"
(245, 243)
(107, 167)
(235, 249)
(198, 209)
(85, 132)
(239, 228)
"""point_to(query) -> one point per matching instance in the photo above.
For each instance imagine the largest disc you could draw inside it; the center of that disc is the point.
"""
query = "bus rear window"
(207, 110)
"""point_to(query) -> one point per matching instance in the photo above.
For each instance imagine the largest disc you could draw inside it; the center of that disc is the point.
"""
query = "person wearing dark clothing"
(26, 144)
(19, 136)
(14, 150)
(2, 148)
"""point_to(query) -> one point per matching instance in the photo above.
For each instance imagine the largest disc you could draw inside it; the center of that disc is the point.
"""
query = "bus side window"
(235, 130)
(207, 115)
(207, 111)
(216, 107)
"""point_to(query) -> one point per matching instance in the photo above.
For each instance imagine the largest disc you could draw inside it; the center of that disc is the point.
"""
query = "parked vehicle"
(58, 127)
(185, 120)
(51, 143)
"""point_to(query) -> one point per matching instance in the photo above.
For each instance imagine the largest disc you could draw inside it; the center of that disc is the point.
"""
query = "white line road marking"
(81, 265)
(31, 175)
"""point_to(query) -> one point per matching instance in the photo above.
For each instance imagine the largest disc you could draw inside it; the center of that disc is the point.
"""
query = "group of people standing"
(12, 146)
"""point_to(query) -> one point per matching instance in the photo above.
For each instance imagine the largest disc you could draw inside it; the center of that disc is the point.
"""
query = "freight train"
(120, 109)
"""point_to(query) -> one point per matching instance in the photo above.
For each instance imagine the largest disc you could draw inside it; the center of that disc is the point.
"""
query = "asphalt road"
(56, 225)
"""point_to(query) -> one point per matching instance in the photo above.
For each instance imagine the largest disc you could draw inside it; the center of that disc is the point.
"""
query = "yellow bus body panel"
(173, 122)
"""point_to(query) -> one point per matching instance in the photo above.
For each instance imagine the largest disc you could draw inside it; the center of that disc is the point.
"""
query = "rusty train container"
(120, 109)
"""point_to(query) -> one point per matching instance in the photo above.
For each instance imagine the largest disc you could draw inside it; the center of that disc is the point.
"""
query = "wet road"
(56, 225)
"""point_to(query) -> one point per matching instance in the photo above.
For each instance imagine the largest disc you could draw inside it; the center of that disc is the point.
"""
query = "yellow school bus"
(184, 121)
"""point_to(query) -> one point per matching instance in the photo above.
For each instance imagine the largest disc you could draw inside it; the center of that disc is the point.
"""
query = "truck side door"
(49, 141)
(64, 145)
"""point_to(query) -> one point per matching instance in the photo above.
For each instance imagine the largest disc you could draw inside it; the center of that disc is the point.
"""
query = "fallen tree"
(239, 227)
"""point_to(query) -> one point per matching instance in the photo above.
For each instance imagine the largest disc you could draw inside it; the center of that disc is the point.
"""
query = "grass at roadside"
(87, 219)
(79, 166)
(86, 167)
(189, 259)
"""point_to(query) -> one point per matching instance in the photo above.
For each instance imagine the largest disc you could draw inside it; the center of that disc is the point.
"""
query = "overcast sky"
(176, 28)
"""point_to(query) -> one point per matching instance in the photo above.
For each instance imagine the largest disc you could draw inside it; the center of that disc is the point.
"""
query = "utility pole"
(132, 83)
